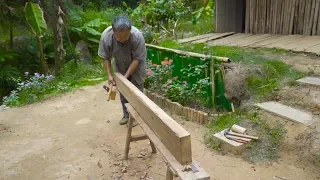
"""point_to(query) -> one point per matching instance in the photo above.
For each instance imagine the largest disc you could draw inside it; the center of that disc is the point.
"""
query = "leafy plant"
(34, 16)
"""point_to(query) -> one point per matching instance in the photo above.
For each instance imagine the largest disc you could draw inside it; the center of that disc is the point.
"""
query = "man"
(126, 44)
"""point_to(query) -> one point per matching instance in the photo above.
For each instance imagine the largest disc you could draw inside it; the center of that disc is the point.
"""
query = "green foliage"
(176, 88)
(275, 74)
(34, 16)
(225, 121)
(262, 84)
(34, 88)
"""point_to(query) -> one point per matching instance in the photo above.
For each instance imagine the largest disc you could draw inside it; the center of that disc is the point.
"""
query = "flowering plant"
(28, 88)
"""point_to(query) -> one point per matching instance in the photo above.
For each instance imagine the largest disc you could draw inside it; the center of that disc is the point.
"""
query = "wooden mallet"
(111, 92)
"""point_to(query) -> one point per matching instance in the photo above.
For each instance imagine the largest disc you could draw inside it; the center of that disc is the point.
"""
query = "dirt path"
(77, 136)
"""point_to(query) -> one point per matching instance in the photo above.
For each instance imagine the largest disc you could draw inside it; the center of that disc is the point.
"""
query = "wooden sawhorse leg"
(135, 138)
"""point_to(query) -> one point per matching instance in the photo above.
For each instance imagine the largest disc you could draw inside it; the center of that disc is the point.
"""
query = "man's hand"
(111, 81)
(132, 68)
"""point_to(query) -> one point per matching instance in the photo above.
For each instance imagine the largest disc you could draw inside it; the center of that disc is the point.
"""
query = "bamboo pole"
(286, 21)
(247, 28)
(311, 17)
(271, 10)
(251, 15)
(268, 23)
(281, 13)
(192, 54)
(275, 17)
(263, 19)
(293, 5)
(318, 31)
(256, 8)
(301, 16)
(316, 18)
(212, 85)
(306, 17)
(296, 15)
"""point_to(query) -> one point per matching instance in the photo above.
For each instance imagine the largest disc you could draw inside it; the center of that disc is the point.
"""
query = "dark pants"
(124, 100)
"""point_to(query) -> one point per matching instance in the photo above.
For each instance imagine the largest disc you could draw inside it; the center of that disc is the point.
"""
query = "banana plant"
(35, 19)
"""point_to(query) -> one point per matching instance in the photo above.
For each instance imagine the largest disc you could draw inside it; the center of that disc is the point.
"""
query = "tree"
(57, 34)
(34, 16)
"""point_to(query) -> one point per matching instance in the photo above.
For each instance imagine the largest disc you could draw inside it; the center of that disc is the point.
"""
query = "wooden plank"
(213, 37)
(225, 40)
(138, 137)
(171, 134)
(311, 17)
(185, 40)
(252, 39)
(286, 112)
(283, 41)
(234, 41)
(316, 18)
(305, 43)
(314, 49)
(171, 161)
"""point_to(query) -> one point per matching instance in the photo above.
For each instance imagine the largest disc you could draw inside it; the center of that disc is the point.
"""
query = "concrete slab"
(314, 49)
(286, 112)
(229, 145)
(310, 80)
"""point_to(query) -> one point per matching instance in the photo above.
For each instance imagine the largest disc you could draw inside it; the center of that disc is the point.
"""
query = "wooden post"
(201, 117)
(205, 118)
(185, 112)
(153, 147)
(169, 175)
(128, 139)
(318, 33)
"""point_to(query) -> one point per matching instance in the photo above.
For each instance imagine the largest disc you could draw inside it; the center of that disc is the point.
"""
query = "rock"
(144, 175)
(143, 153)
(84, 53)
(123, 170)
(108, 121)
(99, 164)
(140, 156)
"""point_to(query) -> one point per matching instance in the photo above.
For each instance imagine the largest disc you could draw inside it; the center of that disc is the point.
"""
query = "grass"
(71, 78)
(263, 150)
(263, 84)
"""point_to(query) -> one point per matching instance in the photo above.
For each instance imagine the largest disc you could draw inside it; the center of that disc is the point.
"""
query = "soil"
(77, 136)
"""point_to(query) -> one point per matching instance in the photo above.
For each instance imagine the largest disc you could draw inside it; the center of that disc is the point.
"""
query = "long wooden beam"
(176, 139)
(175, 167)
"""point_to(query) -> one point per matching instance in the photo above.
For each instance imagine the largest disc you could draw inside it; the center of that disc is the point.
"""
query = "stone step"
(286, 112)
(315, 81)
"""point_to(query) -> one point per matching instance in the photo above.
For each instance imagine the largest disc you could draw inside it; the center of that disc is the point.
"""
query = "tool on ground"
(243, 135)
(238, 129)
(111, 92)
(234, 138)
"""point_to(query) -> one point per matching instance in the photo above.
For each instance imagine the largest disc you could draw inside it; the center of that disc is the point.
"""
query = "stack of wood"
(283, 17)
